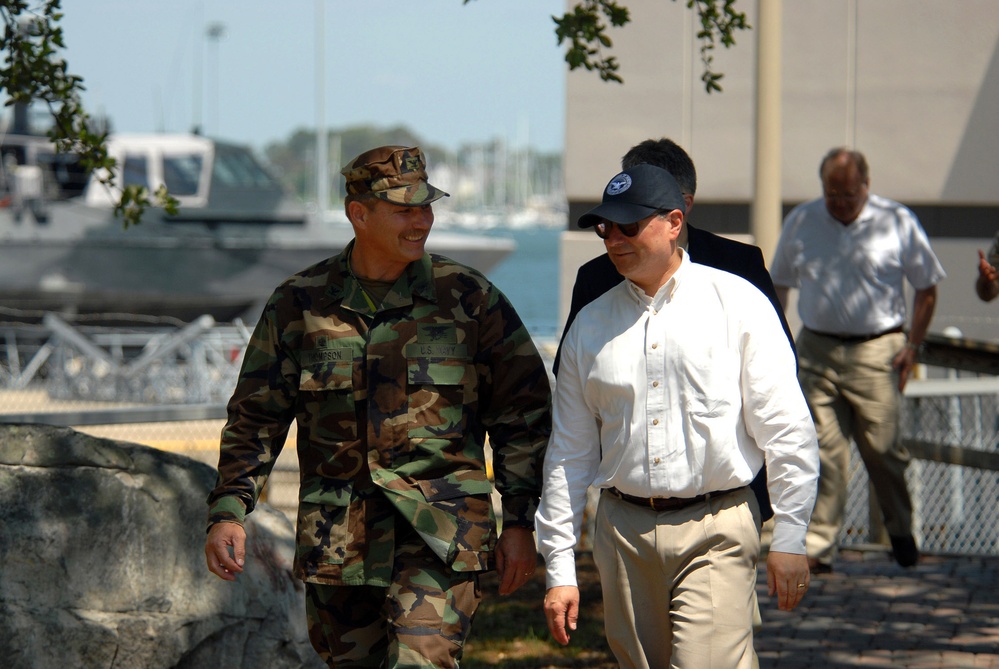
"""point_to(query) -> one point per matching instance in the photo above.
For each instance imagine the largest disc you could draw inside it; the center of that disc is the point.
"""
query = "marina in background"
(237, 233)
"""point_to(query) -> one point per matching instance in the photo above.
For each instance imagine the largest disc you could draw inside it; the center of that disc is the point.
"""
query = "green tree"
(585, 28)
(34, 72)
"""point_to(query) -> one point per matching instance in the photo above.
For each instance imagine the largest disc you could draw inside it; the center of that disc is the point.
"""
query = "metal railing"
(58, 374)
(152, 385)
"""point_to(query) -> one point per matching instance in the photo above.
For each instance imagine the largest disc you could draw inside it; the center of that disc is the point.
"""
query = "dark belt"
(856, 339)
(667, 503)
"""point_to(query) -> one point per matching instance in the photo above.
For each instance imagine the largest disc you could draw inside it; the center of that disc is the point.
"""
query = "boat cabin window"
(237, 168)
(182, 173)
(134, 170)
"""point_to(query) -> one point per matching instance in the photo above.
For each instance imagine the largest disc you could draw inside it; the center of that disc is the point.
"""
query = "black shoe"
(819, 568)
(904, 550)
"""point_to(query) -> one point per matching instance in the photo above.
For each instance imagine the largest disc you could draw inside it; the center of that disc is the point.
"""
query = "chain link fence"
(167, 388)
(952, 430)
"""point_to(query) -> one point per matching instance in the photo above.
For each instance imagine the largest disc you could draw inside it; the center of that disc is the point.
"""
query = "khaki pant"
(852, 392)
(679, 586)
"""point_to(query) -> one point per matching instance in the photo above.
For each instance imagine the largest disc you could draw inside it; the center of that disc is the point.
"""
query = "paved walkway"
(941, 614)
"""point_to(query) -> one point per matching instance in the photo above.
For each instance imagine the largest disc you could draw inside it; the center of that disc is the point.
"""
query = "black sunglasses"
(603, 229)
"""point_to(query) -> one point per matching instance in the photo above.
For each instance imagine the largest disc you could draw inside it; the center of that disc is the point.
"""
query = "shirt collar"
(667, 290)
(417, 280)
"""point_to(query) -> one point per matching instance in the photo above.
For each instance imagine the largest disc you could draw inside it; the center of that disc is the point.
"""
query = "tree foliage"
(34, 72)
(585, 28)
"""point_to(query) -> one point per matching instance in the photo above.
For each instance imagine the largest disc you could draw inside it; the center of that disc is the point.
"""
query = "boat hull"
(236, 236)
(176, 277)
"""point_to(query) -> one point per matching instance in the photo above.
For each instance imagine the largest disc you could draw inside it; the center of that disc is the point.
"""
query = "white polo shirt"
(852, 277)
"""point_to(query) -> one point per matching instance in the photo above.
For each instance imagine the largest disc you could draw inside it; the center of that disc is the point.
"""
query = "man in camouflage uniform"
(396, 365)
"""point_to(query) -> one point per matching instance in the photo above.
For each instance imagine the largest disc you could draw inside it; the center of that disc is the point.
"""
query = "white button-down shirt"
(852, 277)
(676, 395)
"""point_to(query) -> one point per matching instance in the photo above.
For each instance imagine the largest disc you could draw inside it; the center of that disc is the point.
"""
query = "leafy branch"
(586, 26)
(33, 72)
(587, 34)
(722, 22)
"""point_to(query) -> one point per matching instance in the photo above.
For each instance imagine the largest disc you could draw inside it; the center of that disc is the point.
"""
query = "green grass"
(510, 631)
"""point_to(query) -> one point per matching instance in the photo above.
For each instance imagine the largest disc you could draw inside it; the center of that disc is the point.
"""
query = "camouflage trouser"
(421, 620)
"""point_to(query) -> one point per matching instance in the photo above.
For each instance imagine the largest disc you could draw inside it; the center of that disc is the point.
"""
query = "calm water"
(529, 277)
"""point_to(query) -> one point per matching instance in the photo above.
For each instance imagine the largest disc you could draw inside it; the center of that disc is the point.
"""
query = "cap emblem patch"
(411, 164)
(619, 184)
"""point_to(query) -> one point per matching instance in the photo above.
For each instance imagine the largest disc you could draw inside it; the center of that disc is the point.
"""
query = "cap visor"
(412, 196)
(616, 212)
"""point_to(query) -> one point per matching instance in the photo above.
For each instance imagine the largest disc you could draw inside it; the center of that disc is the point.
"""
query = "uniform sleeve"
(260, 412)
(515, 410)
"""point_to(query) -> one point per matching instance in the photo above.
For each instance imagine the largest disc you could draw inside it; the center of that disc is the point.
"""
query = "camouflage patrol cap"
(396, 174)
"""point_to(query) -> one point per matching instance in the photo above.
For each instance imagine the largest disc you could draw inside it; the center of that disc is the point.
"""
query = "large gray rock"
(102, 563)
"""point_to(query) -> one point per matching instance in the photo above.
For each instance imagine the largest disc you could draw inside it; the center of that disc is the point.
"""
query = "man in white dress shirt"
(674, 387)
(849, 254)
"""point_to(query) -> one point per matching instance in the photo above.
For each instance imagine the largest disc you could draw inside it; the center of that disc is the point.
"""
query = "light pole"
(214, 32)
(766, 212)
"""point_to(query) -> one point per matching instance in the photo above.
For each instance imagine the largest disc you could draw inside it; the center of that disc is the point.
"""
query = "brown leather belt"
(667, 503)
(856, 339)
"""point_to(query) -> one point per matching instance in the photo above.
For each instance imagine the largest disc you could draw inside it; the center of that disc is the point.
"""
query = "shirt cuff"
(226, 509)
(561, 570)
(788, 538)
(519, 510)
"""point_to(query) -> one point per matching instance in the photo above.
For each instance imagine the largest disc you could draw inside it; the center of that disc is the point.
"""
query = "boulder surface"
(102, 563)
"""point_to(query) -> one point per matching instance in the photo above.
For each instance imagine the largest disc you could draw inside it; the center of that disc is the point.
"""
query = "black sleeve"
(593, 279)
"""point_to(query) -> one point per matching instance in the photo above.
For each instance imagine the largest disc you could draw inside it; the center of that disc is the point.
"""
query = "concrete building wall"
(914, 84)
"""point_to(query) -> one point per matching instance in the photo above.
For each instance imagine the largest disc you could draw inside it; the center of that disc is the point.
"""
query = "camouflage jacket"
(392, 407)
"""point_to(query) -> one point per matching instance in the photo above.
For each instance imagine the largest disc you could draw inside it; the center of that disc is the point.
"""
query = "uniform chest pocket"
(334, 376)
(437, 396)
(327, 394)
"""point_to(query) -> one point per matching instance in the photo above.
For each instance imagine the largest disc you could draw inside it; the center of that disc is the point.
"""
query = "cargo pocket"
(323, 520)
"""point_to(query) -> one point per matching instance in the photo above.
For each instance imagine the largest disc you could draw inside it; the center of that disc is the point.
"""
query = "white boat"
(236, 236)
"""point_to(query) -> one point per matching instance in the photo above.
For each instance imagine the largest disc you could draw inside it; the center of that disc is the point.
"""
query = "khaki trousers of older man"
(678, 586)
(852, 392)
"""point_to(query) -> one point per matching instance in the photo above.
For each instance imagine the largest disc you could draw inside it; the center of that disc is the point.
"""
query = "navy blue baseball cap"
(634, 194)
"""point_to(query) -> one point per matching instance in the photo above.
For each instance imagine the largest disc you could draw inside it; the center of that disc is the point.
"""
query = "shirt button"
(655, 421)
(655, 384)
(656, 461)
(655, 346)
